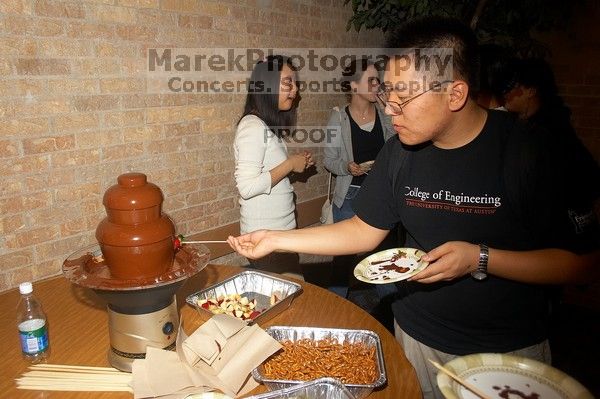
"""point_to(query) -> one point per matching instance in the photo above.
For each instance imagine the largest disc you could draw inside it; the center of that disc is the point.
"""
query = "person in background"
(360, 130)
(532, 94)
(494, 71)
(262, 162)
(357, 132)
(471, 189)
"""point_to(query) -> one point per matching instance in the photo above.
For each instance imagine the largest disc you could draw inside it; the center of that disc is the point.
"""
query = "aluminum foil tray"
(323, 388)
(253, 285)
(369, 338)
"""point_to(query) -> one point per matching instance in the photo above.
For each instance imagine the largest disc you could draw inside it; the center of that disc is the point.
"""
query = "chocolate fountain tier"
(88, 268)
(136, 238)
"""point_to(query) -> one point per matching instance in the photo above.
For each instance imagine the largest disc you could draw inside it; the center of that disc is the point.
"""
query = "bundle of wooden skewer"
(58, 377)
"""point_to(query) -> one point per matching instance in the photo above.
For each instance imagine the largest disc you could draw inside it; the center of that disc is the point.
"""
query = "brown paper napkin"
(219, 355)
(207, 342)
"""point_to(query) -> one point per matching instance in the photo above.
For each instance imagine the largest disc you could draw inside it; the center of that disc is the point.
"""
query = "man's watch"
(484, 255)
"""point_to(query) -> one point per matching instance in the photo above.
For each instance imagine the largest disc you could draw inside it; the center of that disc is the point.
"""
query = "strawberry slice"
(254, 314)
(178, 242)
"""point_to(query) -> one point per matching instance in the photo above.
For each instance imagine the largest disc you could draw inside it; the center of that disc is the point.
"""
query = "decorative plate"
(506, 376)
(390, 265)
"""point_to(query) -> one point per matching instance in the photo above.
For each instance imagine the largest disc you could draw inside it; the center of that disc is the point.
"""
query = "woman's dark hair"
(353, 72)
(263, 95)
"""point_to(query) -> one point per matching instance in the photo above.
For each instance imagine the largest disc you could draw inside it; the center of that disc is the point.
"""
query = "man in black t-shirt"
(477, 194)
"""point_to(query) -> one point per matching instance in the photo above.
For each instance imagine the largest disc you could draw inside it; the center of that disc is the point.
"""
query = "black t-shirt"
(365, 144)
(488, 191)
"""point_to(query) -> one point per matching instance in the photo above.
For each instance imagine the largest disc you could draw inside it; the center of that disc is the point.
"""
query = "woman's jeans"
(345, 212)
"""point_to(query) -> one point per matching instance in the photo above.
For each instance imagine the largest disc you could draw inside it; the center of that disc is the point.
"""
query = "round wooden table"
(78, 325)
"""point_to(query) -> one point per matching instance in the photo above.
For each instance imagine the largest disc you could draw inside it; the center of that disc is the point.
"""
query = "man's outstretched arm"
(346, 237)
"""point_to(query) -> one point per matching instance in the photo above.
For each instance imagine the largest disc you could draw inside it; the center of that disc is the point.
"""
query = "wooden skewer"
(71, 367)
(462, 382)
(71, 387)
(81, 376)
(70, 382)
(74, 370)
(58, 377)
(205, 242)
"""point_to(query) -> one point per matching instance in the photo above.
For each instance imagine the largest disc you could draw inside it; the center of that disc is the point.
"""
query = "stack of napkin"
(219, 355)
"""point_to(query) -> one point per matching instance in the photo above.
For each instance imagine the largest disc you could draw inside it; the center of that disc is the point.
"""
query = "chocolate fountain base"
(141, 312)
(131, 334)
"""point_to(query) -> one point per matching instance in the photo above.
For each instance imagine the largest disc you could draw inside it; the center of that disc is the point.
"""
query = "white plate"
(505, 376)
(387, 267)
(366, 166)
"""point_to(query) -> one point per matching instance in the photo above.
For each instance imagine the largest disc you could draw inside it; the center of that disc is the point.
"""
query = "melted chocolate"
(507, 391)
(87, 270)
(136, 238)
(393, 268)
(394, 258)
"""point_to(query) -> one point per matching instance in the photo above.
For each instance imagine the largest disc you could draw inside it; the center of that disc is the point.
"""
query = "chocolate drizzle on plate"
(508, 392)
(395, 257)
(390, 265)
(385, 267)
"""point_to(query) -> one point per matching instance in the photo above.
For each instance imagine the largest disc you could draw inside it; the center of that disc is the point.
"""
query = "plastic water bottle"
(33, 329)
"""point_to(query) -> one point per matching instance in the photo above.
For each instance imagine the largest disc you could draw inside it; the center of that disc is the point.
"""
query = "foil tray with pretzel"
(366, 338)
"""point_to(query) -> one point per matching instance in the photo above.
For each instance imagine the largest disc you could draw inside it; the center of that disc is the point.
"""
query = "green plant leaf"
(505, 22)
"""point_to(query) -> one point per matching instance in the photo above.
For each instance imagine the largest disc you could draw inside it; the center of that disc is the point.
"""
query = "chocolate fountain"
(136, 269)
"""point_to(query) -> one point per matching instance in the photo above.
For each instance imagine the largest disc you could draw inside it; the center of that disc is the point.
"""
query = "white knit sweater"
(257, 150)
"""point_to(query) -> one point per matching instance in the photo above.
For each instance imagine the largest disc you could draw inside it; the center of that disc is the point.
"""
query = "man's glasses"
(383, 95)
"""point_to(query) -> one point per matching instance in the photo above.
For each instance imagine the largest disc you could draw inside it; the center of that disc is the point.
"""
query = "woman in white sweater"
(262, 163)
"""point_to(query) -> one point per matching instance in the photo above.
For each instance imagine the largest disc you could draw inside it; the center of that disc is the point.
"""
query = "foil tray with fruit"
(251, 296)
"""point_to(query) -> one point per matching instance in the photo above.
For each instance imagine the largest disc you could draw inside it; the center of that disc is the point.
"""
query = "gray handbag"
(327, 208)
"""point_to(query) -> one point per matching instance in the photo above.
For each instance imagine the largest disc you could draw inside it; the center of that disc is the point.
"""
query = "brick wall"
(75, 113)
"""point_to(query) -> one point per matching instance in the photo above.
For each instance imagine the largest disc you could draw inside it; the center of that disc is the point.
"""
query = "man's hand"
(448, 261)
(253, 245)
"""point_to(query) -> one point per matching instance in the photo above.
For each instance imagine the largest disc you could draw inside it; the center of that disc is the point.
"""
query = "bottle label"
(34, 336)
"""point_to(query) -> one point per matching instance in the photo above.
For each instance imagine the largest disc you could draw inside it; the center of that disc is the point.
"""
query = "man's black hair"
(442, 32)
